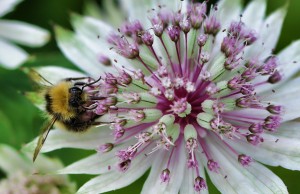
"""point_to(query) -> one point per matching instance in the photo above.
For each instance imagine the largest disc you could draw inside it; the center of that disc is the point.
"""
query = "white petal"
(11, 56)
(7, 6)
(228, 11)
(278, 149)
(153, 183)
(97, 163)
(94, 164)
(77, 52)
(115, 179)
(138, 9)
(254, 13)
(235, 181)
(59, 138)
(11, 161)
(250, 112)
(94, 33)
(188, 182)
(55, 74)
(289, 60)
(289, 129)
(45, 164)
(23, 33)
(270, 182)
(252, 179)
(187, 185)
(268, 36)
(288, 65)
(91, 27)
(112, 13)
(92, 9)
(288, 96)
(101, 48)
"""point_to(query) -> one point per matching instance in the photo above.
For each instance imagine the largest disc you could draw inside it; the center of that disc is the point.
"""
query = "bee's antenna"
(34, 73)
(45, 80)
(89, 84)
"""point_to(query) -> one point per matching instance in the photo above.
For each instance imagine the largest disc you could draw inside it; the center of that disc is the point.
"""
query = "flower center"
(194, 89)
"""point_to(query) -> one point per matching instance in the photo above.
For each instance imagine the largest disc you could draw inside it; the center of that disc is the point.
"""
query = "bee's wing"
(45, 131)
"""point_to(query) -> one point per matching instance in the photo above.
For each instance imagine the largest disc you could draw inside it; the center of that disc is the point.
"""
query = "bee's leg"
(76, 78)
(90, 81)
(100, 124)
(79, 83)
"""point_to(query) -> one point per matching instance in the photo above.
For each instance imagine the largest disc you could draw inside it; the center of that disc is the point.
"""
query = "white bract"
(11, 31)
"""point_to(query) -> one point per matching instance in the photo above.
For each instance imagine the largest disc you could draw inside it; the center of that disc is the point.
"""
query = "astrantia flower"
(185, 89)
(23, 178)
(11, 56)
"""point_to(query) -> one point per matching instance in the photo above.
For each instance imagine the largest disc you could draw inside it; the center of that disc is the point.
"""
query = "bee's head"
(75, 99)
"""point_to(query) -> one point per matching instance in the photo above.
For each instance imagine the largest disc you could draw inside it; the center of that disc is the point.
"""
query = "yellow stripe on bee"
(60, 100)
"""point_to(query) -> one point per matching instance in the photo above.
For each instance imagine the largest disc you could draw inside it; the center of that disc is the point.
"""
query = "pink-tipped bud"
(110, 88)
(249, 74)
(235, 83)
(204, 57)
(254, 139)
(105, 147)
(104, 60)
(197, 13)
(212, 26)
(111, 101)
(256, 128)
(101, 109)
(147, 38)
(230, 64)
(137, 115)
(275, 78)
(247, 89)
(185, 25)
(110, 79)
(174, 33)
(121, 122)
(199, 184)
(201, 39)
(272, 123)
(244, 160)
(177, 17)
(165, 175)
(250, 38)
(275, 109)
(123, 166)
(133, 51)
(158, 29)
(244, 102)
(124, 78)
(269, 67)
(212, 165)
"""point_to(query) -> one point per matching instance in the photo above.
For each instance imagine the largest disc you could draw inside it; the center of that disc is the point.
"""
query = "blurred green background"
(20, 121)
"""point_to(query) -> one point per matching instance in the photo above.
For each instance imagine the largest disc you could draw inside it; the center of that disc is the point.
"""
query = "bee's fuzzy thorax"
(57, 101)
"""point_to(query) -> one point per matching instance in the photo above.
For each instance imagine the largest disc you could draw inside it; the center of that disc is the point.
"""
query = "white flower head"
(24, 177)
(218, 114)
(11, 31)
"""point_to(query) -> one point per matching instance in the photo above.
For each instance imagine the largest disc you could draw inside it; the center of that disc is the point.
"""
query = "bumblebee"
(69, 104)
